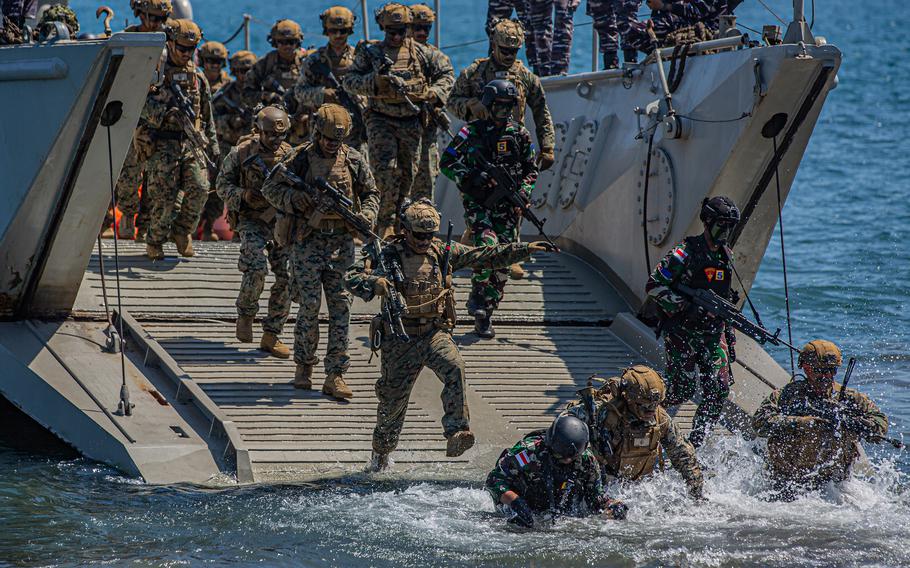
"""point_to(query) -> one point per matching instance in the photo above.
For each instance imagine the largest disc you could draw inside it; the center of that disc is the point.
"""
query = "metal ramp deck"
(552, 335)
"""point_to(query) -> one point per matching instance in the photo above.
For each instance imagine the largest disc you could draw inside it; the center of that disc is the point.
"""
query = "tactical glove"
(808, 422)
(541, 246)
(546, 159)
(301, 202)
(381, 287)
(858, 425)
(522, 515)
(329, 95)
(477, 110)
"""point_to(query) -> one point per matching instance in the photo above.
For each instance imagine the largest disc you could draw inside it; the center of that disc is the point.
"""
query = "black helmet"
(498, 89)
(720, 216)
(567, 437)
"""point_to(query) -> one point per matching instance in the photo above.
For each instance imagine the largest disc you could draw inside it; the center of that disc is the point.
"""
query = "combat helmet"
(393, 14)
(420, 216)
(333, 121)
(642, 387)
(183, 32)
(241, 61)
(157, 7)
(338, 18)
(213, 50)
(422, 15)
(285, 29)
(59, 13)
(136, 6)
(567, 437)
(720, 216)
(498, 89)
(507, 33)
(272, 124)
(820, 354)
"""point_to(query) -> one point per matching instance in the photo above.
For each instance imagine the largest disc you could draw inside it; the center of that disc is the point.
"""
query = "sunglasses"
(396, 31)
(184, 48)
(508, 50)
(214, 61)
(155, 18)
(422, 28)
(825, 370)
(293, 42)
(339, 31)
(422, 236)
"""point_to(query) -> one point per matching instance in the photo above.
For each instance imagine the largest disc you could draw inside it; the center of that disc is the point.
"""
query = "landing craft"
(182, 402)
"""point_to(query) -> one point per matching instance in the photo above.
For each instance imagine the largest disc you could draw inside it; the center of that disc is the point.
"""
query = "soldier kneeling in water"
(551, 472)
(814, 430)
(630, 428)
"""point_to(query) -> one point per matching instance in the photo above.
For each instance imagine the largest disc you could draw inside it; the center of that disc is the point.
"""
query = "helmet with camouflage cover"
(136, 6)
(60, 13)
(333, 121)
(183, 32)
(285, 29)
(213, 50)
(820, 353)
(272, 120)
(420, 216)
(338, 18)
(642, 384)
(393, 14)
(421, 14)
(242, 60)
(157, 7)
(508, 33)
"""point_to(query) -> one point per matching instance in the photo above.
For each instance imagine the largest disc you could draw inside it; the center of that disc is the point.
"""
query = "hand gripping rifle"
(245, 113)
(393, 306)
(382, 64)
(507, 190)
(876, 439)
(344, 97)
(187, 117)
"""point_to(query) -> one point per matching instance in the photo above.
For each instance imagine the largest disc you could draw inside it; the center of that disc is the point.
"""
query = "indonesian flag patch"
(463, 133)
(523, 458)
(680, 254)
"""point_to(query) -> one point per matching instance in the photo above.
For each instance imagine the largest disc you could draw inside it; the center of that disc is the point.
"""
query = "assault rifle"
(506, 189)
(245, 113)
(321, 68)
(187, 117)
(393, 306)
(382, 65)
(709, 301)
(447, 255)
(837, 418)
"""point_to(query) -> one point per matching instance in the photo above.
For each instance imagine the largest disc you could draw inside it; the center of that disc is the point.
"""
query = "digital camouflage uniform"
(680, 22)
(428, 168)
(629, 448)
(394, 129)
(614, 19)
(695, 344)
(273, 77)
(552, 29)
(214, 205)
(511, 148)
(528, 469)
(178, 182)
(502, 10)
(431, 344)
(240, 187)
(470, 84)
(322, 247)
(803, 456)
(233, 108)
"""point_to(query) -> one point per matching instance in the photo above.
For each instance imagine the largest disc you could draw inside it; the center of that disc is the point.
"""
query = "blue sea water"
(847, 227)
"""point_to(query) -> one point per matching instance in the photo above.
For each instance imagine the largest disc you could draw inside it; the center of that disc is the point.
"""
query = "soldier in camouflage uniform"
(428, 320)
(13, 16)
(322, 244)
(315, 87)
(233, 104)
(814, 429)
(553, 26)
(507, 37)
(152, 15)
(178, 181)
(502, 10)
(698, 345)
(214, 59)
(629, 428)
(239, 184)
(428, 169)
(614, 19)
(393, 119)
(276, 74)
(56, 13)
(677, 21)
(551, 472)
(505, 143)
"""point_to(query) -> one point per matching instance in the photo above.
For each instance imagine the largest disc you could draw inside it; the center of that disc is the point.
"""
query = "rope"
(768, 8)
(234, 35)
(644, 204)
(783, 259)
(693, 119)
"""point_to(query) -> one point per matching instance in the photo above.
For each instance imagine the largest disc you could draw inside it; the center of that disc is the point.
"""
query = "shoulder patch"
(680, 254)
(523, 458)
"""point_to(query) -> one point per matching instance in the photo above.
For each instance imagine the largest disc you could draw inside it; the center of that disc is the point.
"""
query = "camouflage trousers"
(693, 356)
(178, 186)
(488, 229)
(213, 209)
(552, 36)
(258, 253)
(428, 169)
(394, 148)
(612, 19)
(503, 9)
(401, 364)
(128, 183)
(319, 263)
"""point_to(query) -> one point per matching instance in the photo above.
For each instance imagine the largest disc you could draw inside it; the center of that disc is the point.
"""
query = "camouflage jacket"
(471, 81)
(446, 80)
(223, 80)
(233, 109)
(271, 74)
(312, 84)
(360, 281)
(510, 147)
(629, 448)
(528, 469)
(237, 175)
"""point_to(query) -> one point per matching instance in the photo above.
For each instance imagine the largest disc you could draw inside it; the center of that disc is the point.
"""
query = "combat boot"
(483, 324)
(474, 303)
(127, 228)
(210, 235)
(378, 462)
(458, 443)
(611, 60)
(107, 233)
(273, 345)
(303, 377)
(184, 245)
(516, 272)
(140, 234)
(245, 329)
(154, 252)
(336, 387)
(630, 55)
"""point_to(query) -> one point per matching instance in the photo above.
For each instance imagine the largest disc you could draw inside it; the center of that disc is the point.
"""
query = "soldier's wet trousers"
(692, 356)
(394, 148)
(318, 263)
(401, 364)
(490, 229)
(258, 253)
(178, 187)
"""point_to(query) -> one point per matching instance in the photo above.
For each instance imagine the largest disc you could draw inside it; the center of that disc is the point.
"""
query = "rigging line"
(644, 203)
(812, 23)
(234, 35)
(783, 258)
(748, 299)
(693, 119)
(768, 8)
(107, 311)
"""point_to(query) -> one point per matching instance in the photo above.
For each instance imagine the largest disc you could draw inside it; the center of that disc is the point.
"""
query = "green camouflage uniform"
(256, 224)
(178, 182)
(428, 169)
(394, 129)
(214, 206)
(801, 456)
(273, 77)
(472, 80)
(511, 148)
(322, 247)
(233, 109)
(429, 328)
(628, 448)
(528, 469)
(696, 344)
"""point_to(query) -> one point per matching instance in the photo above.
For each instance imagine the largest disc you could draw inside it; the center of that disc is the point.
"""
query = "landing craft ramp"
(552, 334)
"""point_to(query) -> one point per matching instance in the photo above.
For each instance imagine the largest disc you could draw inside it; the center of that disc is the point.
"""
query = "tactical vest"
(252, 175)
(707, 272)
(635, 444)
(189, 78)
(339, 64)
(407, 65)
(285, 72)
(423, 290)
(335, 169)
(223, 79)
(502, 147)
(487, 71)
